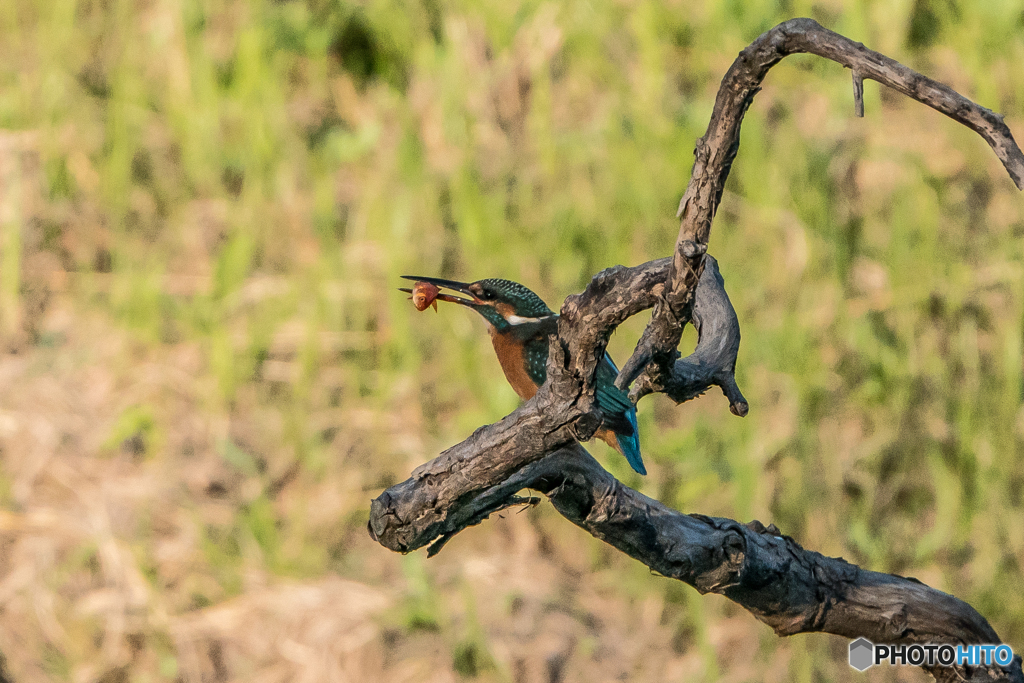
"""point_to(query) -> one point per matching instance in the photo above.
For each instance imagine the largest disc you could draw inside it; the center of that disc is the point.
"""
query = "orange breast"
(510, 355)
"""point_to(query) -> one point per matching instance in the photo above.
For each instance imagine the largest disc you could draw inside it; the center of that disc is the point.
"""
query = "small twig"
(858, 93)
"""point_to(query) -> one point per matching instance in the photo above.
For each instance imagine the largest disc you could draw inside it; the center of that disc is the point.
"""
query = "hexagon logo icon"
(862, 654)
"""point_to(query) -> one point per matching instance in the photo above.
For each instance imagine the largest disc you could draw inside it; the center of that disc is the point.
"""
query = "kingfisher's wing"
(614, 402)
(619, 413)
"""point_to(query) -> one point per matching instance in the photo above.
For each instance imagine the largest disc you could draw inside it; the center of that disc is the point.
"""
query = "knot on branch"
(757, 527)
(726, 566)
(584, 426)
(681, 285)
(692, 251)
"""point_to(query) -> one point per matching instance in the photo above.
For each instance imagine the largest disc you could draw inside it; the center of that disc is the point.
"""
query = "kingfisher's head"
(503, 303)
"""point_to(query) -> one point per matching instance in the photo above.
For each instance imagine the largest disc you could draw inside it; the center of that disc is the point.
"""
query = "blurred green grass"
(206, 210)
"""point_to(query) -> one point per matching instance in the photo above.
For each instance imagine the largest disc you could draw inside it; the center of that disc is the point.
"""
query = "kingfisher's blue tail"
(618, 410)
(630, 445)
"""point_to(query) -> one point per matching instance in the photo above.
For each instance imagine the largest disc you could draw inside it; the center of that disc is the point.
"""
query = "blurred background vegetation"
(207, 371)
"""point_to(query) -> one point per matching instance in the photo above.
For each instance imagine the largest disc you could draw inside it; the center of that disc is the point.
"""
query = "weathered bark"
(651, 364)
(791, 589)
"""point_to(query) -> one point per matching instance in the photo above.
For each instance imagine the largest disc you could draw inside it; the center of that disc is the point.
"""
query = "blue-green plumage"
(527, 304)
(520, 322)
(535, 359)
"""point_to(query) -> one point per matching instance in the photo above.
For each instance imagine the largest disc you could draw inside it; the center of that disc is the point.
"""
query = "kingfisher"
(519, 323)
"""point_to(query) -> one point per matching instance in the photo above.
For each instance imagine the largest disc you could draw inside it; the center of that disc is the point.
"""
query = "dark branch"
(715, 152)
(713, 361)
(791, 589)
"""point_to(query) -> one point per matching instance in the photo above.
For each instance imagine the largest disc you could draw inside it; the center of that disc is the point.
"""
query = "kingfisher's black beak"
(461, 287)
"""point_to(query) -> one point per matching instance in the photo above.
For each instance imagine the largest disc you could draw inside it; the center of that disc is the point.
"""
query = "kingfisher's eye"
(487, 295)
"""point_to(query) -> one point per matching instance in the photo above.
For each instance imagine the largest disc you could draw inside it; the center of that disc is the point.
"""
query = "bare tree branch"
(713, 361)
(715, 152)
(791, 589)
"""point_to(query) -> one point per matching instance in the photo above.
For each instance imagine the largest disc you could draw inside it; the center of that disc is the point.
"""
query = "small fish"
(424, 294)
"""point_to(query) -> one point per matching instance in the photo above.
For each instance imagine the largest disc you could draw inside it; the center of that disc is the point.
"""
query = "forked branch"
(791, 589)
(651, 365)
